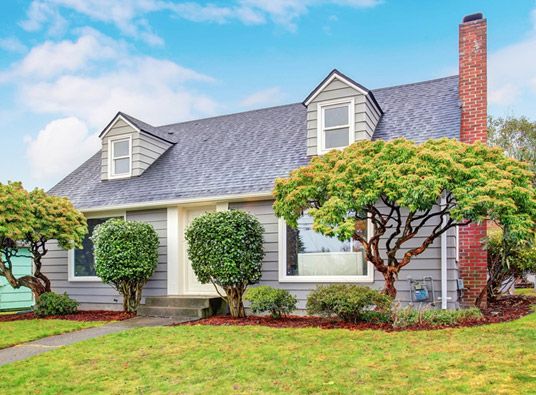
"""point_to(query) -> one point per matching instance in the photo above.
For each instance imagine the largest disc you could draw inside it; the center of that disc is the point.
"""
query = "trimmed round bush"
(268, 299)
(351, 303)
(126, 255)
(51, 303)
(226, 249)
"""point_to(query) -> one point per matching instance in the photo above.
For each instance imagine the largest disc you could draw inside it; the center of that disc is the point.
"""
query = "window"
(306, 255)
(82, 261)
(336, 127)
(120, 157)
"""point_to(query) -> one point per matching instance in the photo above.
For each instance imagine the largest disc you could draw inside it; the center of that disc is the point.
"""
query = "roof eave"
(347, 80)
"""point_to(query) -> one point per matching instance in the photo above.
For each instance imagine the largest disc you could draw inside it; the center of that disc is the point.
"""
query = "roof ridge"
(134, 118)
(229, 115)
(416, 83)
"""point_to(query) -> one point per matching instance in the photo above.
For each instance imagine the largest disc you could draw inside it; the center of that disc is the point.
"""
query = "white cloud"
(39, 14)
(264, 97)
(63, 144)
(55, 58)
(130, 16)
(93, 76)
(281, 12)
(147, 88)
(127, 16)
(511, 70)
(12, 44)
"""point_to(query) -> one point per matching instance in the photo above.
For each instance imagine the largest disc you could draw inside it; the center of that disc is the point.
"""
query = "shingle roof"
(419, 111)
(246, 152)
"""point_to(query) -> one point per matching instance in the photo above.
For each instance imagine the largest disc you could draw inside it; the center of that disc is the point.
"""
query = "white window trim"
(282, 257)
(320, 107)
(111, 141)
(70, 253)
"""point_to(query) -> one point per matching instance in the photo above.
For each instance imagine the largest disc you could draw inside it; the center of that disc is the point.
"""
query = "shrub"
(508, 260)
(409, 316)
(274, 300)
(126, 255)
(351, 303)
(51, 303)
(226, 249)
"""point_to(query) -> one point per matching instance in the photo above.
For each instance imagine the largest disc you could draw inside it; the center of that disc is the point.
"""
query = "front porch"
(184, 307)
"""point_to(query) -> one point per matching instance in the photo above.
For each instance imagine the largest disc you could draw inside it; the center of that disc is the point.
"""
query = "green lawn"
(16, 332)
(498, 359)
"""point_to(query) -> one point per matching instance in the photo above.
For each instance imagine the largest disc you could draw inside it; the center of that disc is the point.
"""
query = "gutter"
(175, 202)
(444, 282)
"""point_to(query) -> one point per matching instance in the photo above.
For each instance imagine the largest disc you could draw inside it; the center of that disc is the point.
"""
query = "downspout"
(444, 291)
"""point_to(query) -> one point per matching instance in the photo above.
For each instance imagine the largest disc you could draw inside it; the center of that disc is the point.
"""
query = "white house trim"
(320, 123)
(70, 253)
(173, 250)
(282, 258)
(111, 140)
(329, 81)
(174, 202)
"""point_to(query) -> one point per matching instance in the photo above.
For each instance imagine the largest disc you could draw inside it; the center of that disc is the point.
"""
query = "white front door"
(191, 285)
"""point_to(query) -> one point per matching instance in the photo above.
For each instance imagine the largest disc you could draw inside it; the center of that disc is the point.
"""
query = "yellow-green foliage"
(15, 210)
(32, 219)
(36, 216)
(483, 182)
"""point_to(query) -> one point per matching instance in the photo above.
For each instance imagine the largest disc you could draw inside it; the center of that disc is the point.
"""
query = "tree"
(32, 219)
(126, 256)
(508, 260)
(405, 189)
(516, 136)
(226, 249)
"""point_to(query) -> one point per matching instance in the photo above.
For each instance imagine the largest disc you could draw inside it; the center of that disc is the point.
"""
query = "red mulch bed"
(96, 315)
(507, 308)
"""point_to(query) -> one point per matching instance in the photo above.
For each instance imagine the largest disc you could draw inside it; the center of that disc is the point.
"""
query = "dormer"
(129, 147)
(339, 112)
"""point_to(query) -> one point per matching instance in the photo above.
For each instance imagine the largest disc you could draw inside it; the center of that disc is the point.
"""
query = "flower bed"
(96, 315)
(506, 308)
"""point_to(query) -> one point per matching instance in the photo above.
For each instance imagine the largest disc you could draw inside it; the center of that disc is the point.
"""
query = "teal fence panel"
(12, 299)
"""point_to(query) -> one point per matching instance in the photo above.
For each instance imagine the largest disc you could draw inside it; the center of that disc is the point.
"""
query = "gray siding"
(145, 148)
(145, 151)
(427, 264)
(366, 115)
(95, 294)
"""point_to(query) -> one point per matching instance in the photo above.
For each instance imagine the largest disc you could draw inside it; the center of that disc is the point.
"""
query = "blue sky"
(67, 66)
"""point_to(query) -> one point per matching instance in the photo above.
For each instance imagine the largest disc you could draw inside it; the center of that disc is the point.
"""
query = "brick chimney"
(473, 99)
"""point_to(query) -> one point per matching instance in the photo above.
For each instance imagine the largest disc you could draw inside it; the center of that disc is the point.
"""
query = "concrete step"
(159, 311)
(193, 307)
(181, 301)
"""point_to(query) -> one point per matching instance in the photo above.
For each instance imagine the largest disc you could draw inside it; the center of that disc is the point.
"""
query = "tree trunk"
(390, 278)
(34, 284)
(234, 299)
(38, 282)
(38, 274)
(131, 295)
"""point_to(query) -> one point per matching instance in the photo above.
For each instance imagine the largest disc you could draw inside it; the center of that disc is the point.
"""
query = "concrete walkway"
(26, 350)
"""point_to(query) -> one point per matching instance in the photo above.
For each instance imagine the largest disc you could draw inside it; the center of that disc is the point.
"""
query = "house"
(167, 175)
(20, 298)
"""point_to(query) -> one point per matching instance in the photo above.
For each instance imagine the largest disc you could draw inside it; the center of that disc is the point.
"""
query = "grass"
(16, 332)
(497, 359)
(525, 291)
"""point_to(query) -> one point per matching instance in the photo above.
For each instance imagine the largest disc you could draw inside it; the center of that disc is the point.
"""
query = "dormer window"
(335, 125)
(120, 157)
